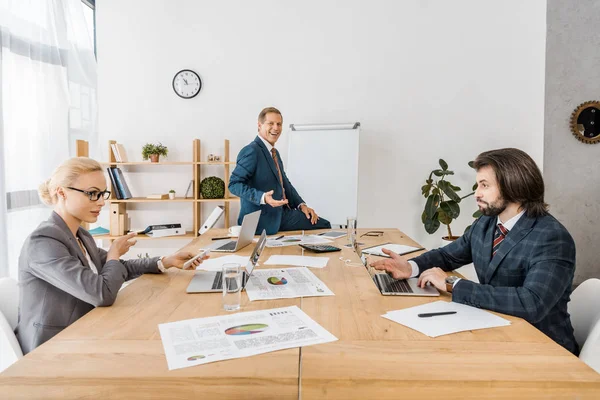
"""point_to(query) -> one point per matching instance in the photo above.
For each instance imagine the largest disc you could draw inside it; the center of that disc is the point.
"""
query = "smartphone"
(189, 262)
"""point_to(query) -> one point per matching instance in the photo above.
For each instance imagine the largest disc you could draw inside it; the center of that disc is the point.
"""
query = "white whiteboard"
(323, 167)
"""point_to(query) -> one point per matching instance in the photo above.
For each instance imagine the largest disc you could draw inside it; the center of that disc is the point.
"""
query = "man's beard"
(494, 209)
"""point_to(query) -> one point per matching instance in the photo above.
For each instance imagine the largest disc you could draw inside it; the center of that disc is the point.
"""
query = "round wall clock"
(187, 84)
(585, 122)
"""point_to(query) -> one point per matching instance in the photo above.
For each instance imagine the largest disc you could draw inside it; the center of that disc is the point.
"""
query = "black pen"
(279, 237)
(433, 314)
(221, 238)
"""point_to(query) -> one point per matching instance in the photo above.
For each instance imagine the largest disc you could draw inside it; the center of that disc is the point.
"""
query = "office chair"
(585, 317)
(10, 350)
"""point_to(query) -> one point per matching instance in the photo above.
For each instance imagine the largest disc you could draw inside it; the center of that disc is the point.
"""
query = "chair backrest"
(590, 352)
(10, 351)
(584, 309)
(9, 300)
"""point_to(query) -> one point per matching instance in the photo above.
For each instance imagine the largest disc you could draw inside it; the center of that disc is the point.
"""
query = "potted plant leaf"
(154, 151)
(443, 201)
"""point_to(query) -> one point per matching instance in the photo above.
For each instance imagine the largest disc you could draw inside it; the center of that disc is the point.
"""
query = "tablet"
(332, 234)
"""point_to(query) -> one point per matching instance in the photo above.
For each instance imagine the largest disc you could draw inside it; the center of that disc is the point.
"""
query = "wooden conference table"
(116, 352)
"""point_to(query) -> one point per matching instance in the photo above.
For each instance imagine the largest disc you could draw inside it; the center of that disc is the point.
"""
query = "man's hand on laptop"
(272, 202)
(395, 266)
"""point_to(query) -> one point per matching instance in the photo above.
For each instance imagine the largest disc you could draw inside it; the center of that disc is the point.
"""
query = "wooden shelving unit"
(196, 201)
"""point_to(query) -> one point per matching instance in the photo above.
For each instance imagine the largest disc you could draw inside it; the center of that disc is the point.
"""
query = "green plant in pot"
(443, 201)
(212, 188)
(154, 151)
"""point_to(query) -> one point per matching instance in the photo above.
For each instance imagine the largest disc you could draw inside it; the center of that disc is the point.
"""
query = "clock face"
(187, 84)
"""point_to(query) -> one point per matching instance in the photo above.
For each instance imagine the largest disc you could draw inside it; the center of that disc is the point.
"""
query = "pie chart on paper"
(247, 329)
(277, 281)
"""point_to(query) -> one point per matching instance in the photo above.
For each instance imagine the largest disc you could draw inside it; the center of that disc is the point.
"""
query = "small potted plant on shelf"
(443, 202)
(212, 188)
(172, 194)
(154, 151)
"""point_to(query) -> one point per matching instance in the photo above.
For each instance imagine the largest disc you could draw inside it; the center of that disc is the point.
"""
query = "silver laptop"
(249, 224)
(389, 286)
(212, 281)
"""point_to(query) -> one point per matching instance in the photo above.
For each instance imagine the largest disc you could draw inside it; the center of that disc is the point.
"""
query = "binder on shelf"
(151, 228)
(121, 183)
(166, 232)
(115, 151)
(188, 189)
(116, 210)
(122, 152)
(114, 184)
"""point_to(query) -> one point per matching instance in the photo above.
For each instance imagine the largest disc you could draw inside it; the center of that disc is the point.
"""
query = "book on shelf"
(122, 152)
(114, 184)
(115, 152)
(158, 196)
(188, 189)
(121, 183)
(98, 231)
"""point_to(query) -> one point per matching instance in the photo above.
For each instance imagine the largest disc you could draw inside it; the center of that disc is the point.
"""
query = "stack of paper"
(267, 284)
(293, 240)
(466, 318)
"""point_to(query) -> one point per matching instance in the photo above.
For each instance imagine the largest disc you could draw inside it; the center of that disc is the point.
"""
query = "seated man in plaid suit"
(524, 257)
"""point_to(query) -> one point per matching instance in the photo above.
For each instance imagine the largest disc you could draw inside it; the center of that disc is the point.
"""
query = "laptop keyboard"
(228, 246)
(391, 285)
(218, 282)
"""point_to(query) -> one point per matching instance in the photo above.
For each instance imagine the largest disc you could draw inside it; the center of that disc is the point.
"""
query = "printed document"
(466, 318)
(293, 240)
(396, 248)
(205, 340)
(299, 261)
(285, 283)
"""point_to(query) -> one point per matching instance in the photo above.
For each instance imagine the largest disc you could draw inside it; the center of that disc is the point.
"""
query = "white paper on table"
(396, 248)
(215, 264)
(293, 240)
(467, 318)
(205, 340)
(299, 261)
(285, 283)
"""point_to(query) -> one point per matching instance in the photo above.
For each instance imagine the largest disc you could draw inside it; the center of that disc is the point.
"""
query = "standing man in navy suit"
(524, 257)
(261, 183)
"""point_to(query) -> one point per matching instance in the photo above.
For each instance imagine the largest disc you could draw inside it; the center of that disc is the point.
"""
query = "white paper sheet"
(396, 248)
(467, 318)
(215, 264)
(298, 261)
(285, 283)
(293, 240)
(205, 340)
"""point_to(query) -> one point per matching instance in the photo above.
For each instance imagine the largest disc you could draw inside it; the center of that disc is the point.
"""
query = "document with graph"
(205, 340)
(285, 283)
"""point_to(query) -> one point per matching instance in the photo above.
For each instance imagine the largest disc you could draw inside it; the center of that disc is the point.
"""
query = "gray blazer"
(57, 285)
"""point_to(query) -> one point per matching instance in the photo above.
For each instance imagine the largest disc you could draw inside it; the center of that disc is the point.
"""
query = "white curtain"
(47, 101)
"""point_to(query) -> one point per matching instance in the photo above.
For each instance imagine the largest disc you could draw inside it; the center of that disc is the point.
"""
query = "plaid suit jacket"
(529, 277)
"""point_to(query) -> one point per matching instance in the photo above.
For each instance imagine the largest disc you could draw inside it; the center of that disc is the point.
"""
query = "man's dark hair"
(519, 178)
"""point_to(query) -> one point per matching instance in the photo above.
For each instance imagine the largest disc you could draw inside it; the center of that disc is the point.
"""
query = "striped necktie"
(275, 159)
(499, 236)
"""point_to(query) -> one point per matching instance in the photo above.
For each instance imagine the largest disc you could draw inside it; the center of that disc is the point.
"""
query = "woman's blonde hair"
(64, 175)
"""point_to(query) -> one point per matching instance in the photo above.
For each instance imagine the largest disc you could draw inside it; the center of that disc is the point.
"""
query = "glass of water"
(232, 285)
(351, 226)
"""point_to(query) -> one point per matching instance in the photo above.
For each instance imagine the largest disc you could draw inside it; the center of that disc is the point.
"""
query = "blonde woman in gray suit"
(62, 273)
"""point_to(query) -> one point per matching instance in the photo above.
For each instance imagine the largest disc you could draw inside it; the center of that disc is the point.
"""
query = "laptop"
(249, 224)
(389, 286)
(212, 281)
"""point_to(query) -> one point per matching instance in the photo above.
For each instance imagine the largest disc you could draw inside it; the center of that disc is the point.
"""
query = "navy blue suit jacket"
(529, 277)
(254, 174)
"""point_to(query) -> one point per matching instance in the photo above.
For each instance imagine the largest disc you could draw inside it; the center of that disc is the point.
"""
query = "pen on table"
(279, 237)
(433, 314)
(221, 238)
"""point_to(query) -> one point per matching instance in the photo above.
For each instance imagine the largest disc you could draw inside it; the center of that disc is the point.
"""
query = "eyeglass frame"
(100, 193)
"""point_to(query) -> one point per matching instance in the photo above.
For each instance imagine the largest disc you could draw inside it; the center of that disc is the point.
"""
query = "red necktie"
(501, 232)
(274, 154)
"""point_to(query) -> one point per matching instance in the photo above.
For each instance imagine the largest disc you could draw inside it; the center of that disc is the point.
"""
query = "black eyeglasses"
(95, 195)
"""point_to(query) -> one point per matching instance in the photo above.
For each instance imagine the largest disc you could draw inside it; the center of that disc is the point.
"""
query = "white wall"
(426, 79)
